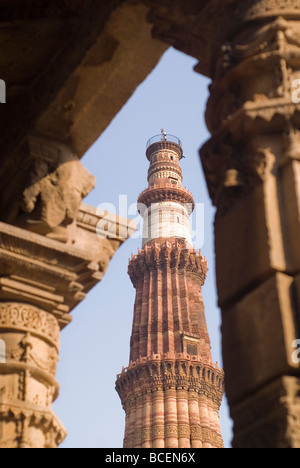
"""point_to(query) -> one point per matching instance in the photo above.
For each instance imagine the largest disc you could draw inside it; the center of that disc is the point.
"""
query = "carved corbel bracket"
(57, 184)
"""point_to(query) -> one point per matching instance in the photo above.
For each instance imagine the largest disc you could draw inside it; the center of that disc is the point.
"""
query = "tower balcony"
(161, 192)
(163, 138)
(164, 141)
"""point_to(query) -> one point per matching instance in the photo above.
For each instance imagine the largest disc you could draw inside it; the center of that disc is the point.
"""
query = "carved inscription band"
(23, 316)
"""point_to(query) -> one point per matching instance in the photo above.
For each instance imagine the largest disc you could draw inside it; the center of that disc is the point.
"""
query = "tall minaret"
(171, 391)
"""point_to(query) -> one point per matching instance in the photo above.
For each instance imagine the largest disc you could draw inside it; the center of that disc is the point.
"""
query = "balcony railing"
(164, 137)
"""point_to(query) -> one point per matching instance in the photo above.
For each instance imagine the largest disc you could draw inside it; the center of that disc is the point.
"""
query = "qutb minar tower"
(171, 391)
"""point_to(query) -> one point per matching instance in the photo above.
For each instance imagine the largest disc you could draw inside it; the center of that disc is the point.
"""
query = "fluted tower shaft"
(171, 391)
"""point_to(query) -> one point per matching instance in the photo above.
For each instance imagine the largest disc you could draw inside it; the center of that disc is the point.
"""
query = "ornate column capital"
(42, 280)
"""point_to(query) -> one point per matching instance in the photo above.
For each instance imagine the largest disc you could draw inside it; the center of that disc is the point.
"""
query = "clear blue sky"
(95, 346)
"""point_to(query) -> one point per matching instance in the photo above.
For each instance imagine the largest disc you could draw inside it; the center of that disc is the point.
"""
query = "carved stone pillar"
(251, 51)
(27, 383)
(44, 275)
(41, 281)
(252, 167)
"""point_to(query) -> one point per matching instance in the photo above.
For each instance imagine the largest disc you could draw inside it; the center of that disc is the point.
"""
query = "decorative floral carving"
(23, 316)
(171, 430)
(184, 431)
(146, 434)
(196, 432)
(158, 432)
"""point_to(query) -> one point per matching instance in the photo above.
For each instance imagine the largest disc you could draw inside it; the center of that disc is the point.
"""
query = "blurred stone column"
(252, 167)
(56, 253)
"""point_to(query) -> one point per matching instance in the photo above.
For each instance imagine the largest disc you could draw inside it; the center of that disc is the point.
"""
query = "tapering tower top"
(166, 141)
(171, 391)
(164, 153)
(167, 204)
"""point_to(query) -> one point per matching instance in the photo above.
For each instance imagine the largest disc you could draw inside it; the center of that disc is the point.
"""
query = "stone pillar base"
(270, 418)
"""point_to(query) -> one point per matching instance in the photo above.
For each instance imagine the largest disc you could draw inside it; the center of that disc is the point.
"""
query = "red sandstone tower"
(171, 391)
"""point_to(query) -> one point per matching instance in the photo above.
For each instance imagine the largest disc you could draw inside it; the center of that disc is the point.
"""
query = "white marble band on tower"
(166, 205)
(165, 220)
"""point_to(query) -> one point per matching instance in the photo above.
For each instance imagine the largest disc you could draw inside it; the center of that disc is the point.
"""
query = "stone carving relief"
(241, 108)
(25, 353)
(238, 171)
(19, 315)
(291, 143)
(56, 198)
(58, 184)
(249, 10)
(268, 416)
(237, 68)
(47, 363)
(276, 36)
